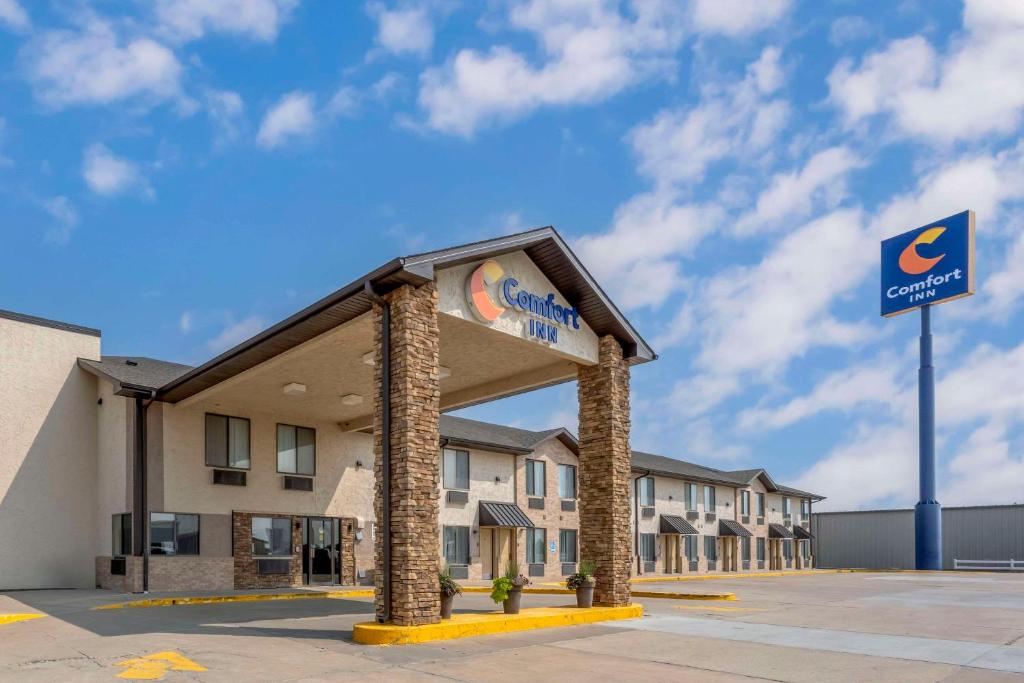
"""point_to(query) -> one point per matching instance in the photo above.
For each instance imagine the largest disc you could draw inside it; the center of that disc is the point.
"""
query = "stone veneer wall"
(347, 538)
(415, 460)
(604, 475)
(245, 567)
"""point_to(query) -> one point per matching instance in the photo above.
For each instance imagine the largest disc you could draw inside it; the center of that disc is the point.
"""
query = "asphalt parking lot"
(827, 627)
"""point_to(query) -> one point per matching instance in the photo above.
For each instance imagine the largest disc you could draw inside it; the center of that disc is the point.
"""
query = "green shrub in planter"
(583, 583)
(449, 589)
(507, 589)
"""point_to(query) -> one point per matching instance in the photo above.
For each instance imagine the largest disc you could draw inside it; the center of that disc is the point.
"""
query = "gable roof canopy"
(778, 531)
(729, 527)
(495, 513)
(673, 524)
(544, 246)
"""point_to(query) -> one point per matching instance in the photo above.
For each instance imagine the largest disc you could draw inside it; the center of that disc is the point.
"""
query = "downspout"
(141, 497)
(636, 520)
(385, 444)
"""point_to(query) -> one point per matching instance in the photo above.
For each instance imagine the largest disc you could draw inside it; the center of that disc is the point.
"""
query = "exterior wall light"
(352, 399)
(443, 372)
(294, 389)
(368, 358)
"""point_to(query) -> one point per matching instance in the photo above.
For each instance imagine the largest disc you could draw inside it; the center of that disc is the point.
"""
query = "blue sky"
(184, 174)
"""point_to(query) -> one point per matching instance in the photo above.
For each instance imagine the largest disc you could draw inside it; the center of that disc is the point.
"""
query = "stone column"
(415, 404)
(605, 463)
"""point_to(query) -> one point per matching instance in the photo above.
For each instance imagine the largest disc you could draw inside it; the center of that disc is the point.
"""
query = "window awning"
(730, 527)
(503, 514)
(802, 533)
(672, 524)
(779, 531)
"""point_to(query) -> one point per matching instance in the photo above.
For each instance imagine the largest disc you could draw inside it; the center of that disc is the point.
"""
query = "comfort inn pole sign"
(928, 265)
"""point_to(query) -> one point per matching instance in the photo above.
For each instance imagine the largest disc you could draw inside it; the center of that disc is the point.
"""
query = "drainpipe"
(141, 494)
(385, 445)
(636, 521)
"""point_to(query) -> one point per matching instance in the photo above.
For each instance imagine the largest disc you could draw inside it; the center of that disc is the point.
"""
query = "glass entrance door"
(321, 550)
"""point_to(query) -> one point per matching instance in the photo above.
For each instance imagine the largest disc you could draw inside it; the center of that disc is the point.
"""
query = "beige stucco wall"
(341, 489)
(47, 457)
(552, 518)
(113, 454)
(490, 478)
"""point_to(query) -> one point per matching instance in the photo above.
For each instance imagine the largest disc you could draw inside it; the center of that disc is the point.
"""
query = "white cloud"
(737, 17)
(849, 29)
(590, 52)
(192, 19)
(853, 387)
(985, 469)
(293, 116)
(65, 217)
(235, 333)
(185, 322)
(1003, 289)
(344, 102)
(968, 90)
(226, 108)
(678, 145)
(793, 195)
(14, 15)
(653, 229)
(108, 174)
(407, 29)
(877, 467)
(93, 65)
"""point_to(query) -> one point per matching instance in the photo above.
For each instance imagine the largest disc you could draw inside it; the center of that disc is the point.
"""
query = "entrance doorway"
(496, 554)
(321, 550)
(671, 552)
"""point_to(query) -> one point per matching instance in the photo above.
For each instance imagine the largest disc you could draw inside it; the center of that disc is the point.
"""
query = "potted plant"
(449, 589)
(583, 583)
(508, 588)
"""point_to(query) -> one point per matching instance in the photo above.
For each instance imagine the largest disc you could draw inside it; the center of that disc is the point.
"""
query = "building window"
(745, 504)
(760, 550)
(647, 544)
(173, 534)
(296, 450)
(536, 539)
(690, 544)
(121, 535)
(567, 482)
(227, 441)
(535, 477)
(567, 545)
(745, 547)
(760, 505)
(805, 508)
(456, 469)
(709, 499)
(710, 548)
(787, 548)
(805, 549)
(646, 485)
(690, 494)
(786, 511)
(456, 545)
(271, 536)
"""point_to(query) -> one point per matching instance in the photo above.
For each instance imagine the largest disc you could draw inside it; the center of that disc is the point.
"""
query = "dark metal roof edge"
(485, 446)
(687, 477)
(119, 388)
(47, 322)
(351, 289)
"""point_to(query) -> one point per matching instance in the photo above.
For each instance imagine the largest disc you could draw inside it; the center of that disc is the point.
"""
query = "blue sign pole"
(928, 512)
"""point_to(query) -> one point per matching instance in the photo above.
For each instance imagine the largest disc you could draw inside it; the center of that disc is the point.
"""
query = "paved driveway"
(829, 627)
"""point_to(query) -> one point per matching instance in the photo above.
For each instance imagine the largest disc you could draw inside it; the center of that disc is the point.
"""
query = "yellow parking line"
(716, 608)
(11, 618)
(255, 597)
(155, 666)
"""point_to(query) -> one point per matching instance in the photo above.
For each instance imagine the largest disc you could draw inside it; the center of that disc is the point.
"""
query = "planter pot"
(585, 596)
(447, 601)
(515, 596)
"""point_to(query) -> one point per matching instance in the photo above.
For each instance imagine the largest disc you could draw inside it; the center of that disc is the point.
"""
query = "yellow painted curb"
(258, 597)
(737, 575)
(682, 596)
(470, 625)
(11, 618)
(636, 594)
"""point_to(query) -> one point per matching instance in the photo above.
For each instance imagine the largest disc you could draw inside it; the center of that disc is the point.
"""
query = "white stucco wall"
(341, 489)
(47, 457)
(112, 455)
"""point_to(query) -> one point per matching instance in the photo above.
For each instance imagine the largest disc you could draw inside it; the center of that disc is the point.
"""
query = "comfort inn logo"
(491, 293)
(913, 263)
